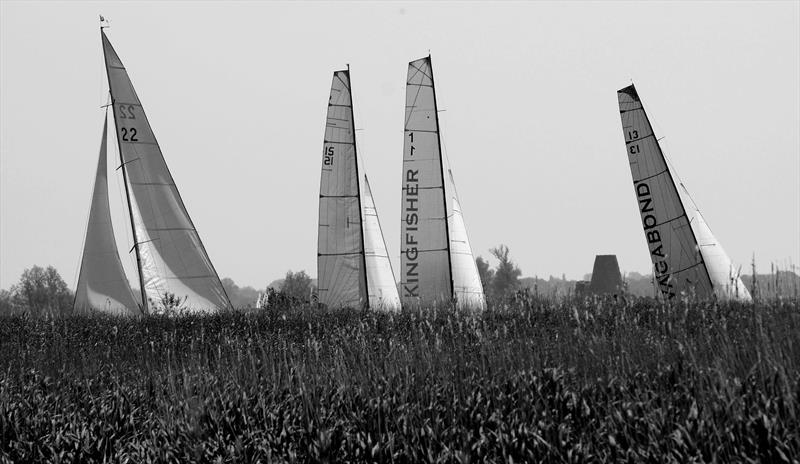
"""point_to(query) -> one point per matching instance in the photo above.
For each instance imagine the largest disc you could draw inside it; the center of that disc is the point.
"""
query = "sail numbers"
(129, 135)
(126, 112)
(327, 156)
(633, 135)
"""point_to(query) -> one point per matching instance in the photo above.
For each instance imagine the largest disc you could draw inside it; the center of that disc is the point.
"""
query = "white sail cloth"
(340, 248)
(687, 259)
(102, 284)
(724, 276)
(467, 286)
(173, 260)
(380, 277)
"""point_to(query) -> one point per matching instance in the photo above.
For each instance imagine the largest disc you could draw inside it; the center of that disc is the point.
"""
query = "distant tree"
(6, 302)
(297, 285)
(486, 274)
(506, 274)
(241, 297)
(42, 291)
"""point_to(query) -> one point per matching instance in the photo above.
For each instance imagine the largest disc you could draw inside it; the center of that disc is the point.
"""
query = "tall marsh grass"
(567, 381)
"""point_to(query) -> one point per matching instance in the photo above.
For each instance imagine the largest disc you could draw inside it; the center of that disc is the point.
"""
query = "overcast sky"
(237, 96)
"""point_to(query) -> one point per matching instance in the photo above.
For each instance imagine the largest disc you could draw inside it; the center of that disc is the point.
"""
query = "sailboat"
(436, 259)
(687, 258)
(353, 266)
(102, 284)
(174, 269)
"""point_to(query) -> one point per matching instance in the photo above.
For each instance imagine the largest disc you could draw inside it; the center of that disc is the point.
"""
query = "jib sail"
(102, 284)
(380, 276)
(467, 286)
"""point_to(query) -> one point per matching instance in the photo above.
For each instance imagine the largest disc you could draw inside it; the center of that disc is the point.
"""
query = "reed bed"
(536, 380)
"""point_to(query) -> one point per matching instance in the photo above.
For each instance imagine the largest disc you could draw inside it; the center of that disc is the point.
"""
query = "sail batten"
(102, 284)
(171, 258)
(673, 233)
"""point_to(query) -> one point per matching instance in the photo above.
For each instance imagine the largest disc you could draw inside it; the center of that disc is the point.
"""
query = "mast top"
(631, 91)
(104, 23)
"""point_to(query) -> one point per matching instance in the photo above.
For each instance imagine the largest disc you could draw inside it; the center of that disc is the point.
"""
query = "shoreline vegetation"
(592, 380)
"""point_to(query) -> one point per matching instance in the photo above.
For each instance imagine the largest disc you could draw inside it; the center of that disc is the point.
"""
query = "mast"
(125, 181)
(675, 186)
(441, 170)
(358, 190)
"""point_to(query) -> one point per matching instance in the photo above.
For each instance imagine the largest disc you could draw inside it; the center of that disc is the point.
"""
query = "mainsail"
(380, 277)
(435, 258)
(102, 284)
(467, 287)
(425, 249)
(171, 258)
(341, 261)
(679, 261)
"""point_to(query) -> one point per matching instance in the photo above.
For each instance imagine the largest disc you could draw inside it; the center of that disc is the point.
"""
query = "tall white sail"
(102, 284)
(724, 276)
(679, 244)
(467, 286)
(381, 285)
(425, 271)
(341, 267)
(171, 257)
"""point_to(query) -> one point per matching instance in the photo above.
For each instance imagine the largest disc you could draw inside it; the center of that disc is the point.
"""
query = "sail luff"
(358, 189)
(123, 166)
(102, 284)
(175, 268)
(677, 261)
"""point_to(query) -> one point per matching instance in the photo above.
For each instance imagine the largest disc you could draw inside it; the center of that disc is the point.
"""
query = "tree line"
(42, 290)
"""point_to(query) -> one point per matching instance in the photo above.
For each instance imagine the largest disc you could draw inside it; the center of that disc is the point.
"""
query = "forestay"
(424, 254)
(467, 286)
(677, 262)
(380, 277)
(102, 284)
(172, 257)
(341, 268)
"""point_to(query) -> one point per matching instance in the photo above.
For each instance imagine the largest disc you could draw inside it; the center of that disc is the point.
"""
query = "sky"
(237, 95)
